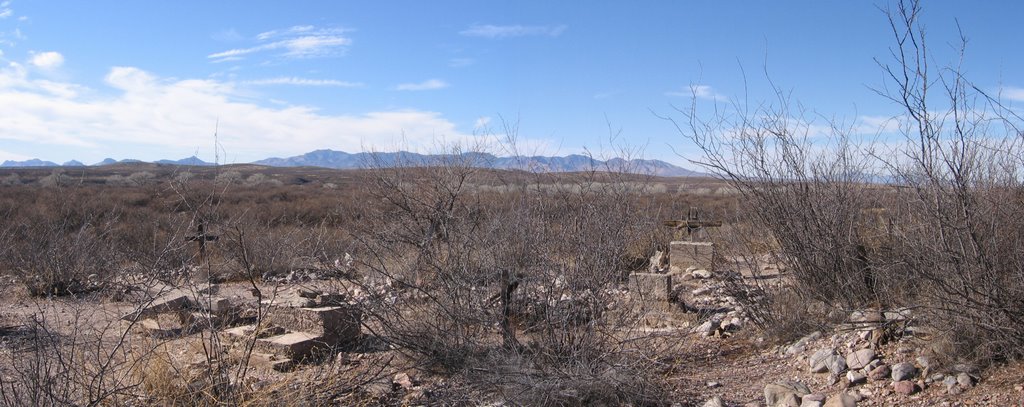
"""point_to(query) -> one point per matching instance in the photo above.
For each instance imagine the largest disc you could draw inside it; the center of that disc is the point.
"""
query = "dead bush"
(62, 248)
(932, 220)
(511, 283)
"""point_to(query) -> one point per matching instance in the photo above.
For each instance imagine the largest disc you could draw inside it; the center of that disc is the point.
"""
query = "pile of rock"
(854, 358)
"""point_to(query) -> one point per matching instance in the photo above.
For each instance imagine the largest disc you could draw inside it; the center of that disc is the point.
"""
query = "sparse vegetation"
(143, 284)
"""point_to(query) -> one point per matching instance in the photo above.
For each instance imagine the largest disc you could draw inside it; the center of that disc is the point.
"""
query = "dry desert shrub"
(930, 220)
(508, 288)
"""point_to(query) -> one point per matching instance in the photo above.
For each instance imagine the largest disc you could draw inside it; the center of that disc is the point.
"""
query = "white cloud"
(481, 123)
(1012, 93)
(508, 31)
(291, 80)
(295, 42)
(47, 60)
(130, 79)
(5, 9)
(142, 111)
(700, 92)
(431, 84)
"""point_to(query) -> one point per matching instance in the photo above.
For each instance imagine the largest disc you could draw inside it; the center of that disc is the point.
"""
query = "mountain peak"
(193, 161)
(35, 162)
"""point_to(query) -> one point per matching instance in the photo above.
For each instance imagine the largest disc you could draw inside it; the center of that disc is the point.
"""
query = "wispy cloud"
(47, 60)
(294, 42)
(698, 91)
(5, 10)
(141, 111)
(509, 31)
(291, 80)
(291, 31)
(431, 84)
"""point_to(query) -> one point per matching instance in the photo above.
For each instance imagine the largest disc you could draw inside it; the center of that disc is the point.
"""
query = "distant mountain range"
(343, 160)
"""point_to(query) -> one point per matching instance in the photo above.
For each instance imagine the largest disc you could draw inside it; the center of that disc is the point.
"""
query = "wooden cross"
(692, 223)
(201, 237)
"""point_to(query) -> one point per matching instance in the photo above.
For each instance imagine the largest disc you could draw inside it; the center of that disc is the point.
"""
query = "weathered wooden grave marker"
(201, 237)
(693, 225)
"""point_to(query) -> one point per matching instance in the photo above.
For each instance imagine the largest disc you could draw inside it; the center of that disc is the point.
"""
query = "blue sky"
(150, 80)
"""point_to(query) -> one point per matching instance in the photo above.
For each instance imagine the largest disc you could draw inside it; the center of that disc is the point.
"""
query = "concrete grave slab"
(650, 286)
(699, 255)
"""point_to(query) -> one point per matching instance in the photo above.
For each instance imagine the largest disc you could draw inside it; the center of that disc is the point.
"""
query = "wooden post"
(201, 237)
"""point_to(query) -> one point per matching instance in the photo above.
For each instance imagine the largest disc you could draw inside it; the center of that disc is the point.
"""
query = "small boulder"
(855, 377)
(812, 400)
(905, 387)
(879, 373)
(859, 359)
(826, 360)
(965, 380)
(785, 394)
(903, 371)
(402, 380)
(708, 328)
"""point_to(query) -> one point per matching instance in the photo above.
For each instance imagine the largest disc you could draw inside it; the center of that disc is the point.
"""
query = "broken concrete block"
(650, 286)
(172, 302)
(271, 361)
(683, 255)
(293, 345)
(162, 326)
(246, 332)
(338, 325)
